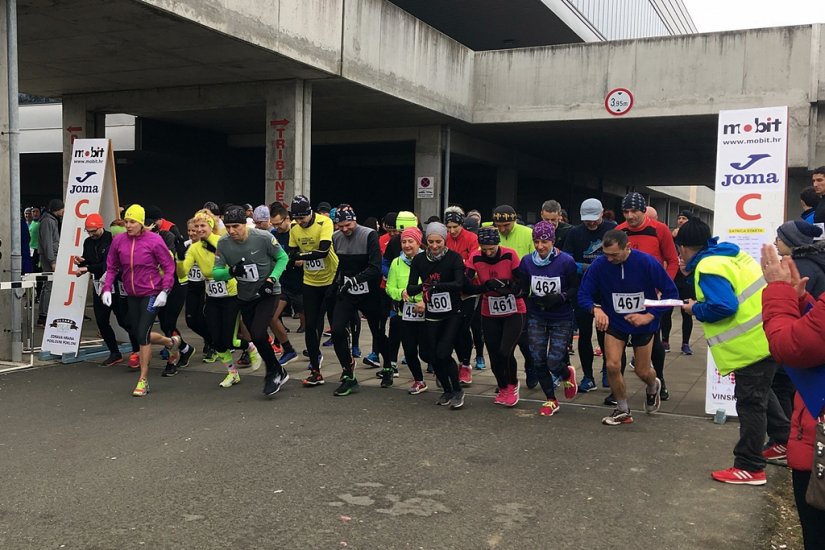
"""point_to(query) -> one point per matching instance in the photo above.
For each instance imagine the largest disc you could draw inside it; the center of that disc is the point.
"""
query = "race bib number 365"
(626, 302)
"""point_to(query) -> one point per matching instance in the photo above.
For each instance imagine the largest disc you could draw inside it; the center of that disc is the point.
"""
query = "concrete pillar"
(506, 187)
(78, 123)
(288, 140)
(5, 192)
(428, 164)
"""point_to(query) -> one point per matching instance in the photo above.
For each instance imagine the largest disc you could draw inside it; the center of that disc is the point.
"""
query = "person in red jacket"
(793, 323)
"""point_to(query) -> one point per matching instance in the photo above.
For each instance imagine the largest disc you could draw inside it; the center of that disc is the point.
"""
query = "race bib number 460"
(440, 303)
(626, 302)
(501, 305)
(542, 286)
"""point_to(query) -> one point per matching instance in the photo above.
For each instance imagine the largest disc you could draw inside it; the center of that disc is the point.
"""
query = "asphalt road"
(196, 466)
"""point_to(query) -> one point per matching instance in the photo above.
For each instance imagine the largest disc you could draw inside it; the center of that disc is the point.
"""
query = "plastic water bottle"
(151, 307)
(720, 416)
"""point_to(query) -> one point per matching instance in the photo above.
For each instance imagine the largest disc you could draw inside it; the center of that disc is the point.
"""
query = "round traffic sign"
(618, 101)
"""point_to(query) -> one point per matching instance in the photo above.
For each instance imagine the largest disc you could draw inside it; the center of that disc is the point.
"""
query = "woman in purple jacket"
(551, 275)
(147, 271)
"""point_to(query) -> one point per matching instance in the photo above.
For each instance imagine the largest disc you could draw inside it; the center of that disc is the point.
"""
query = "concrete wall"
(387, 49)
(5, 197)
(308, 31)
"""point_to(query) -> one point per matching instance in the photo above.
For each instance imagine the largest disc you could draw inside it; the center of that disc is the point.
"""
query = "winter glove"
(106, 298)
(160, 300)
(237, 270)
(550, 301)
(348, 284)
(267, 289)
(494, 284)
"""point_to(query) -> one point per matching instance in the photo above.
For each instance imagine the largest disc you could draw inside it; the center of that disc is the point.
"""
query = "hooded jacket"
(48, 240)
(810, 260)
(144, 263)
(720, 300)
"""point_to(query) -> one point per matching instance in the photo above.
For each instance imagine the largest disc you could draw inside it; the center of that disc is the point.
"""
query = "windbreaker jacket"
(795, 339)
(144, 263)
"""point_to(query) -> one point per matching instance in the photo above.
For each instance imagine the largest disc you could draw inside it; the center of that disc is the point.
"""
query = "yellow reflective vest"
(736, 341)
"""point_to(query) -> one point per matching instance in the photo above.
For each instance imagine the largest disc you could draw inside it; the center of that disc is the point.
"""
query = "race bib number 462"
(542, 286)
(627, 302)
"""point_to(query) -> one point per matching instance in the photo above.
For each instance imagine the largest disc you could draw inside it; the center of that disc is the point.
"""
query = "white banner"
(751, 177)
(91, 188)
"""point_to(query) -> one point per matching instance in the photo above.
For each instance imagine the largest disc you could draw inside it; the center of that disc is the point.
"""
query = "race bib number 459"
(409, 313)
(626, 302)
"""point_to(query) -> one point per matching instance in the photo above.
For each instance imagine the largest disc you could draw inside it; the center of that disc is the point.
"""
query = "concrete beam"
(289, 119)
(429, 149)
(5, 193)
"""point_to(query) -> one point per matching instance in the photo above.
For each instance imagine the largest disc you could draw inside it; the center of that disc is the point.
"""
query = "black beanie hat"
(390, 220)
(55, 205)
(634, 201)
(798, 233)
(235, 214)
(300, 207)
(694, 232)
(504, 213)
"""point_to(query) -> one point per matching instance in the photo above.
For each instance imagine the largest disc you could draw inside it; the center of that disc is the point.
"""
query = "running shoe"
(314, 378)
(480, 365)
(243, 360)
(618, 417)
(277, 348)
(632, 364)
(664, 394)
(300, 330)
(610, 400)
(737, 476)
(348, 385)
(686, 349)
(511, 396)
(445, 398)
(284, 376)
(605, 382)
(430, 369)
(404, 360)
(142, 388)
(386, 378)
(184, 356)
(776, 454)
(587, 385)
(170, 370)
(328, 333)
(417, 387)
(394, 369)
(666, 345)
(231, 379)
(597, 351)
(653, 400)
(287, 356)
(328, 343)
(272, 384)
(371, 360)
(134, 360)
(465, 375)
(569, 385)
(209, 355)
(356, 352)
(549, 408)
(164, 354)
(254, 359)
(501, 393)
(457, 400)
(112, 360)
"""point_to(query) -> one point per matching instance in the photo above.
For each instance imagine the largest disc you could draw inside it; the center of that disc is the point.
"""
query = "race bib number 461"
(626, 302)
(501, 305)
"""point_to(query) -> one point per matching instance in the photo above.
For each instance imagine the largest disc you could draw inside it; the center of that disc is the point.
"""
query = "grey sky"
(719, 15)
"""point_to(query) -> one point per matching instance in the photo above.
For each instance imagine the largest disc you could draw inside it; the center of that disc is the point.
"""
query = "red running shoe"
(736, 476)
(134, 361)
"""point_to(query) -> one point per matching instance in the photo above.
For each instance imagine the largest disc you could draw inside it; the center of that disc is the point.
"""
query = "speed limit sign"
(618, 101)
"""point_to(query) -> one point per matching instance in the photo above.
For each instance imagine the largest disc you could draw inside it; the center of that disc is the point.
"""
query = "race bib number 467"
(627, 302)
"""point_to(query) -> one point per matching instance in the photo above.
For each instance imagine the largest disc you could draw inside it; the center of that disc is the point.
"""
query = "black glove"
(267, 289)
(439, 288)
(550, 301)
(494, 284)
(348, 283)
(208, 246)
(237, 270)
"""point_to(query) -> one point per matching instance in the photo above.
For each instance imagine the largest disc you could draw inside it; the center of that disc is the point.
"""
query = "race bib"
(627, 302)
(216, 289)
(195, 274)
(359, 288)
(440, 303)
(250, 273)
(542, 286)
(501, 305)
(121, 289)
(409, 313)
(96, 285)
(314, 265)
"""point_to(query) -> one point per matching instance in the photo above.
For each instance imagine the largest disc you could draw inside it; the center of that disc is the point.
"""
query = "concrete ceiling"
(493, 24)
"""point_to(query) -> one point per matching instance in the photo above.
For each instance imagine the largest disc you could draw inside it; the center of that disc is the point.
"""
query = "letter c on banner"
(740, 207)
(77, 211)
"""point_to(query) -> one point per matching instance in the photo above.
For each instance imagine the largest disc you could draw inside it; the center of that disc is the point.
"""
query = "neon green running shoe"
(231, 379)
(142, 388)
(254, 360)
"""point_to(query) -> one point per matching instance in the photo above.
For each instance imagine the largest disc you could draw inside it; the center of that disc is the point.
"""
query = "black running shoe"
(183, 357)
(610, 401)
(386, 378)
(348, 385)
(113, 359)
(664, 394)
(170, 370)
(653, 400)
(272, 384)
(445, 399)
(457, 400)
(314, 378)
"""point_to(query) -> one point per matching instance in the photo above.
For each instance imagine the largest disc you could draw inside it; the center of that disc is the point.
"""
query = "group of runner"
(438, 290)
